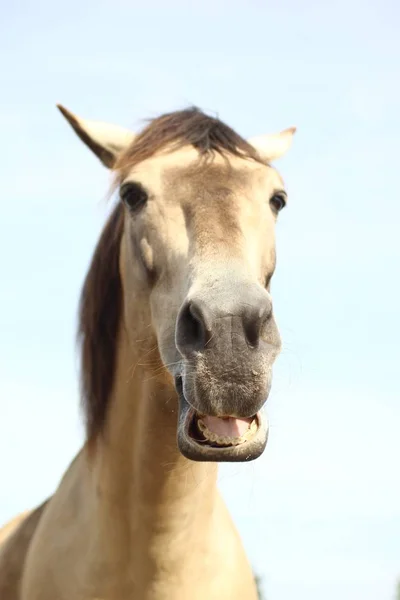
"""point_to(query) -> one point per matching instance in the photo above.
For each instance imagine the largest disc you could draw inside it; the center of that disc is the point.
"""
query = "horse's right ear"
(105, 140)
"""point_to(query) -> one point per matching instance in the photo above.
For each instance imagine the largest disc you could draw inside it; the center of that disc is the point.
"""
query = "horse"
(177, 340)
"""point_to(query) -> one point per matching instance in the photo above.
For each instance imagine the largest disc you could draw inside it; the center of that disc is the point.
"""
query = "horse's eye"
(133, 195)
(278, 201)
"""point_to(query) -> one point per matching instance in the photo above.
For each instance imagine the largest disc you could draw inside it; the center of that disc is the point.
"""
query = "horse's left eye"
(278, 201)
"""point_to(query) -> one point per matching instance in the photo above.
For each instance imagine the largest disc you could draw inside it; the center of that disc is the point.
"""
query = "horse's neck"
(146, 491)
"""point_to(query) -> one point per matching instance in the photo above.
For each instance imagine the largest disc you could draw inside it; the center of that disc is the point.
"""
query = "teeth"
(223, 440)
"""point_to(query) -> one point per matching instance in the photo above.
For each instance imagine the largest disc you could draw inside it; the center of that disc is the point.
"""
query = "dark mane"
(189, 127)
(99, 316)
(101, 297)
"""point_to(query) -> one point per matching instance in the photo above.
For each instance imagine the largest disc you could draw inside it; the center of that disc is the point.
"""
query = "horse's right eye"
(133, 195)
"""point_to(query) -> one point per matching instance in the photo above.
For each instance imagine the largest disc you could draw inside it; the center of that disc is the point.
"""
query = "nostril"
(195, 329)
(252, 328)
(192, 332)
(254, 322)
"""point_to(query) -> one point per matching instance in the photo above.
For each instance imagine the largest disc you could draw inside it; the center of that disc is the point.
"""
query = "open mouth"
(221, 432)
(221, 439)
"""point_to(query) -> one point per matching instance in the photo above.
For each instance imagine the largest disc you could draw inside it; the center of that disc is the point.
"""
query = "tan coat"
(178, 340)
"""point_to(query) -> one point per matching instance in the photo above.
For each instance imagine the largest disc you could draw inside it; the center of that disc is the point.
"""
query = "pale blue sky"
(320, 511)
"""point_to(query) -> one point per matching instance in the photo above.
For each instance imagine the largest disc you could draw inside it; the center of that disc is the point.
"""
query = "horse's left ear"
(105, 140)
(273, 146)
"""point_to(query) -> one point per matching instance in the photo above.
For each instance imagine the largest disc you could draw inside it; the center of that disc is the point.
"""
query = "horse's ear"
(273, 146)
(105, 140)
